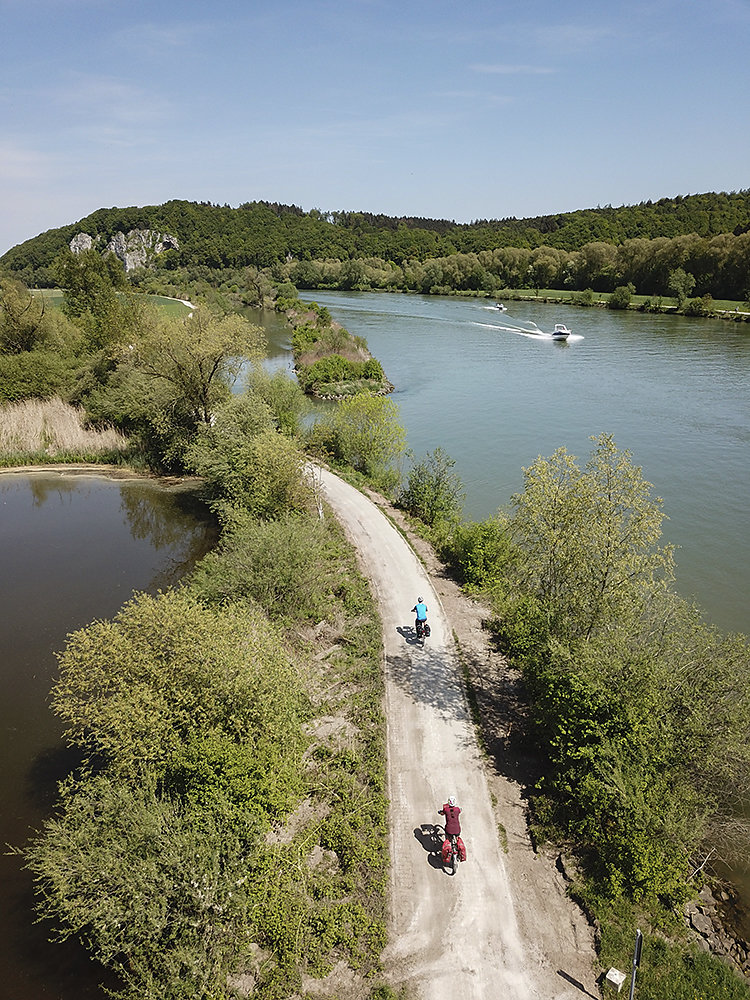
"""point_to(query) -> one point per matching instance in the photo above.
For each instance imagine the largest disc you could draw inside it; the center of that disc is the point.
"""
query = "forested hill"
(262, 233)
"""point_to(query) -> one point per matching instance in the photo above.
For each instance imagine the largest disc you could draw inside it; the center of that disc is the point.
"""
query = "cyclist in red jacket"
(453, 846)
(451, 812)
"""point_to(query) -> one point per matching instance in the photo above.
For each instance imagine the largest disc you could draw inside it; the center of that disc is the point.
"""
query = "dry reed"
(52, 427)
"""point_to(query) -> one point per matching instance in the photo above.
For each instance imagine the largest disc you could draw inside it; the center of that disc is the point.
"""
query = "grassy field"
(668, 304)
(173, 307)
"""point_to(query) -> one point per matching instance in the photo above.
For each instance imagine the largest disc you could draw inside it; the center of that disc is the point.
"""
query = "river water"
(494, 395)
(72, 548)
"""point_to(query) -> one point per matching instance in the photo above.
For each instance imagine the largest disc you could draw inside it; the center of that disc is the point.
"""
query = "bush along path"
(225, 835)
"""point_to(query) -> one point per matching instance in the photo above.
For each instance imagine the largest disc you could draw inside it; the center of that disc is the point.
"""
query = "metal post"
(636, 961)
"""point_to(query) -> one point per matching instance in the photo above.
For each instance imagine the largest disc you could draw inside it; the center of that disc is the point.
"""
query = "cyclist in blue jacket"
(420, 610)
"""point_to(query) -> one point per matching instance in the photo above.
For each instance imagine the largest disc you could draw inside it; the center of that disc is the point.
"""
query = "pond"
(72, 548)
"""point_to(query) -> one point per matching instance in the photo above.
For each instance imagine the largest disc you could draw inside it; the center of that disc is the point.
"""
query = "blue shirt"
(421, 610)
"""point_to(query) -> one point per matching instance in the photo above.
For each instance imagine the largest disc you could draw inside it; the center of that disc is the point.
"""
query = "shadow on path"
(409, 634)
(428, 675)
(430, 836)
(574, 982)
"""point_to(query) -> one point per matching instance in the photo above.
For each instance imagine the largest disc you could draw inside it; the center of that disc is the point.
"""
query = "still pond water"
(72, 548)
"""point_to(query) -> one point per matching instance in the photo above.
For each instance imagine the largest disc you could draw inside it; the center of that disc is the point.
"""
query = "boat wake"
(530, 330)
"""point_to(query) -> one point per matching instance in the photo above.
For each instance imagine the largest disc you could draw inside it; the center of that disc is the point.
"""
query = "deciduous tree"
(199, 356)
(434, 492)
(590, 539)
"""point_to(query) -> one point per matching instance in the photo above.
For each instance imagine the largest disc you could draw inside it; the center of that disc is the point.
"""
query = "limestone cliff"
(138, 248)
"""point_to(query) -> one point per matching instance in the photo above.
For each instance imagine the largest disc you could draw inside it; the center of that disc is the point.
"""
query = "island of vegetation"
(226, 829)
(329, 362)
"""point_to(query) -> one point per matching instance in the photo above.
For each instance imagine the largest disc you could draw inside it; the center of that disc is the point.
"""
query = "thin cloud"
(109, 99)
(570, 38)
(21, 163)
(474, 95)
(155, 39)
(511, 70)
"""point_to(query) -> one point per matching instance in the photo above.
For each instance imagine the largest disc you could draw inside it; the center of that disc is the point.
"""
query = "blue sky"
(459, 110)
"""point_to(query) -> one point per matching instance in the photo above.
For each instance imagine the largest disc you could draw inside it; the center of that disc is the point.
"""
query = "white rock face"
(81, 242)
(136, 249)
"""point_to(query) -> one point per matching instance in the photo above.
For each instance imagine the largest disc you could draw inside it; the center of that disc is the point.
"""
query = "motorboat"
(561, 332)
(501, 307)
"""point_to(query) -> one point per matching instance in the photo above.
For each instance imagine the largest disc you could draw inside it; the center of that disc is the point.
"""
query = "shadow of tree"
(427, 673)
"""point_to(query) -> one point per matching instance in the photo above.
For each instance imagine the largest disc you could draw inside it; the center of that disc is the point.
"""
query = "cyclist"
(453, 847)
(420, 610)
(451, 812)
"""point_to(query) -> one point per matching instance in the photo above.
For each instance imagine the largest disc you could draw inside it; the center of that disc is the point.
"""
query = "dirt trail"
(502, 926)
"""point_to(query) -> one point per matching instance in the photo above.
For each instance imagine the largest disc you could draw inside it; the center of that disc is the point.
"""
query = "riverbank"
(720, 309)
(546, 874)
(329, 362)
(119, 472)
(637, 303)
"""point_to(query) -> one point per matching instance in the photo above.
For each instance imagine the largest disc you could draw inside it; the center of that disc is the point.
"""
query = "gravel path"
(462, 935)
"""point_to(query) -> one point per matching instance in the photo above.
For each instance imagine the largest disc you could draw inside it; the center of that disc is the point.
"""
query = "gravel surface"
(502, 926)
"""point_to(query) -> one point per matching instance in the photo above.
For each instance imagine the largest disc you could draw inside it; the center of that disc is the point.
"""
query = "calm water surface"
(673, 391)
(71, 549)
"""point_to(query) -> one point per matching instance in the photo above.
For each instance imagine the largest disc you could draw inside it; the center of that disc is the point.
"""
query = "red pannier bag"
(426, 629)
(446, 851)
(461, 849)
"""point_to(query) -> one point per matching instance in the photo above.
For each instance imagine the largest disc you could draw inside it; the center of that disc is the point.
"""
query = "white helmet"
(452, 801)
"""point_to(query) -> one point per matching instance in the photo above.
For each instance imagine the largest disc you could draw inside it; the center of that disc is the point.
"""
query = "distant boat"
(501, 307)
(561, 332)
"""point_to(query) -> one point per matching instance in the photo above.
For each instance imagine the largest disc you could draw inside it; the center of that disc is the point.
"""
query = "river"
(72, 548)
(674, 391)
(494, 393)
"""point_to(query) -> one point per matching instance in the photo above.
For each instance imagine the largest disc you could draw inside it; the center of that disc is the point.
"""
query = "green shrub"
(332, 368)
(363, 432)
(621, 297)
(521, 624)
(284, 397)
(166, 668)
(247, 464)
(35, 375)
(584, 298)
(287, 566)
(433, 492)
(699, 306)
(158, 892)
(479, 552)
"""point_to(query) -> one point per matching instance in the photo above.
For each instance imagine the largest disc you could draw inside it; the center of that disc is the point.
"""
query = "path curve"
(449, 936)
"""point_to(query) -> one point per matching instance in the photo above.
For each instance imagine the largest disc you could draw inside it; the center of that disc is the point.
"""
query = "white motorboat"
(561, 332)
(501, 307)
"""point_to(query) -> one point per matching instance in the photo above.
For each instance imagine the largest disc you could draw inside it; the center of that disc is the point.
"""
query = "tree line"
(707, 235)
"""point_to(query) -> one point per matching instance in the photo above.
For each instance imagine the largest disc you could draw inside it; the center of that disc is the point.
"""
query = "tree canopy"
(599, 247)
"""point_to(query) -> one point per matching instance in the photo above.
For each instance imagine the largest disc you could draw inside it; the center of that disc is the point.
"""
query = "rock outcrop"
(137, 248)
(81, 242)
(708, 919)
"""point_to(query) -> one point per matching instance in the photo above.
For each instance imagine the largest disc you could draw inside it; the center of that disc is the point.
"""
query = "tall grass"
(53, 429)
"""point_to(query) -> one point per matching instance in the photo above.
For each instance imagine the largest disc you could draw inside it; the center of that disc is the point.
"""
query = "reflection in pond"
(72, 548)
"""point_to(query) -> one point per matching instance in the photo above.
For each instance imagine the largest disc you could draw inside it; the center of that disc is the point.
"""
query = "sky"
(456, 110)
